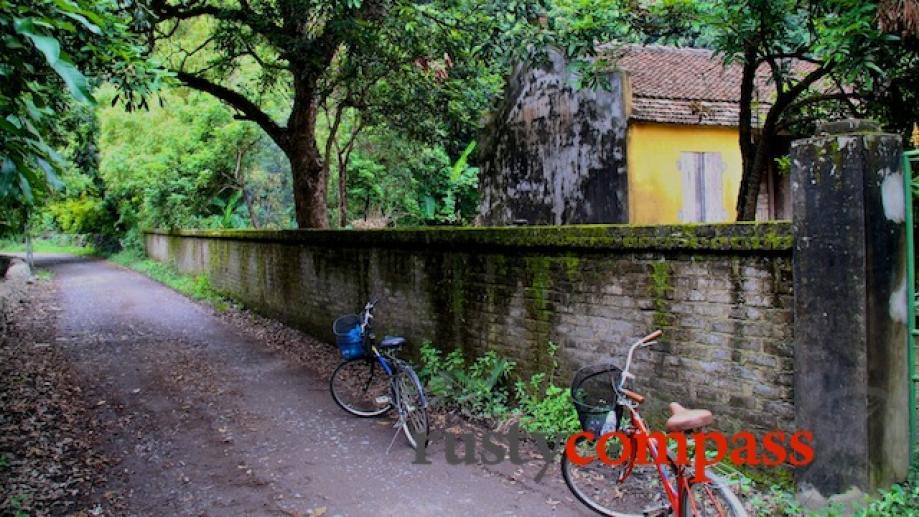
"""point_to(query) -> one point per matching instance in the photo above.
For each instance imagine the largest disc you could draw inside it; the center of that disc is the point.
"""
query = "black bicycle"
(372, 380)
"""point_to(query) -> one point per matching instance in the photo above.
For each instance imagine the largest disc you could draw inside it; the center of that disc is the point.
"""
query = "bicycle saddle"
(686, 419)
(392, 341)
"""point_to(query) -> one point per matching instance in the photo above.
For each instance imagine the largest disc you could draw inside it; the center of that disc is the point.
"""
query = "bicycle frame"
(370, 340)
(674, 485)
(370, 343)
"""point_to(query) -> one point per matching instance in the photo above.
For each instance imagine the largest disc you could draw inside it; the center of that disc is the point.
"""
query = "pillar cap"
(849, 125)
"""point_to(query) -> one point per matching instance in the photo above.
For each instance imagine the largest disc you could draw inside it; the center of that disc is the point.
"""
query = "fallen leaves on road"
(48, 463)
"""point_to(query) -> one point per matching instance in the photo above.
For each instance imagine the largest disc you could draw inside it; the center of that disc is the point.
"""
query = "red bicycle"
(632, 487)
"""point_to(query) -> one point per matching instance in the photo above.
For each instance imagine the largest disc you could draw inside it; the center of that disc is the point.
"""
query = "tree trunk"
(309, 184)
(753, 176)
(343, 156)
(250, 205)
(342, 192)
(29, 256)
(239, 179)
(745, 130)
(756, 158)
(310, 177)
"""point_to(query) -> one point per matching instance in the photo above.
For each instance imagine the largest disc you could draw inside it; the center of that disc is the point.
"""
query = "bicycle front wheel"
(361, 387)
(713, 498)
(612, 489)
(412, 405)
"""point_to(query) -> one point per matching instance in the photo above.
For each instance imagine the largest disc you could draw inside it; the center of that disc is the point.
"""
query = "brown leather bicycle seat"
(685, 419)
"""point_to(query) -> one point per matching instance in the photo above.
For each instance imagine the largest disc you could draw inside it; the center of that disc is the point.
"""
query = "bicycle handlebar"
(645, 341)
(367, 315)
(651, 337)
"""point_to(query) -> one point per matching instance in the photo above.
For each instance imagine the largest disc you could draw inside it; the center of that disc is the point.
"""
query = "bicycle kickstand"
(398, 428)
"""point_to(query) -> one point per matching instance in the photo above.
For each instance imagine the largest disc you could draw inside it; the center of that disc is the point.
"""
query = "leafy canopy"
(48, 52)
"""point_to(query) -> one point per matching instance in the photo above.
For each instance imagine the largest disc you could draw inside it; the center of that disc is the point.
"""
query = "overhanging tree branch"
(792, 93)
(249, 109)
(846, 97)
(244, 17)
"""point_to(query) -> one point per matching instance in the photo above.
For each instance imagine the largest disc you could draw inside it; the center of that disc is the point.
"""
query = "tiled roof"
(685, 86)
(680, 73)
(682, 111)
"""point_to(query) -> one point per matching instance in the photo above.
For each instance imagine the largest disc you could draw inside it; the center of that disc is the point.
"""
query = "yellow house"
(659, 144)
(683, 150)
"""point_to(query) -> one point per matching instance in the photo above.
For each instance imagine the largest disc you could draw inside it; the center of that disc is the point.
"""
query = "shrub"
(545, 408)
(481, 390)
(478, 390)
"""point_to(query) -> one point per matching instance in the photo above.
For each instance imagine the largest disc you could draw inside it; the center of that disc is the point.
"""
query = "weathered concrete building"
(659, 145)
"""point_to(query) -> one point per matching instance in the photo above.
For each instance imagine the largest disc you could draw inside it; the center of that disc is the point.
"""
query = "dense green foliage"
(189, 164)
(479, 390)
(50, 53)
(397, 109)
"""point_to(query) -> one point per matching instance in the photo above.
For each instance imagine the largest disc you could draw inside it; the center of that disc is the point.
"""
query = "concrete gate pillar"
(851, 377)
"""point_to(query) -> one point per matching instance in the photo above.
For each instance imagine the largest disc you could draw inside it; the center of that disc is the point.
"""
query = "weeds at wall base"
(196, 287)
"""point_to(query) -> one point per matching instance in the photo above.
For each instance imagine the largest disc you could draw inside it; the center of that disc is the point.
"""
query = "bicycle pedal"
(382, 400)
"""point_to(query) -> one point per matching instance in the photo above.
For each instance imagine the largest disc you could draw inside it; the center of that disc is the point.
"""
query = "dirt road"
(208, 420)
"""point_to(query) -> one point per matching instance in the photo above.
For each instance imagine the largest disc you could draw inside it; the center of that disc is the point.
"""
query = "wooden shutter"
(713, 173)
(688, 166)
(703, 187)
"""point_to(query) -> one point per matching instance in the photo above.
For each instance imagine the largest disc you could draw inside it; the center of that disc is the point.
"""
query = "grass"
(196, 287)
(46, 246)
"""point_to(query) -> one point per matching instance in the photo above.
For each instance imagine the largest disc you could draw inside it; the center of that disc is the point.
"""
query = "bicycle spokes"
(705, 502)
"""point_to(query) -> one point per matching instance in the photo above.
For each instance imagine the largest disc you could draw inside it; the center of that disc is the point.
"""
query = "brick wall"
(722, 294)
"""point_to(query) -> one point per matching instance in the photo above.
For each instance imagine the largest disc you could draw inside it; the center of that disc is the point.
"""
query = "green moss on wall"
(660, 286)
(539, 309)
(752, 236)
(572, 264)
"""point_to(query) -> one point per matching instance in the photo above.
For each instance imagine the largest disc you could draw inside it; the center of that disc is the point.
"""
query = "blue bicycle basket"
(348, 337)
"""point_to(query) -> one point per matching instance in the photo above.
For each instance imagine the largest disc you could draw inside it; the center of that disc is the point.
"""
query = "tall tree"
(293, 44)
(387, 49)
(796, 54)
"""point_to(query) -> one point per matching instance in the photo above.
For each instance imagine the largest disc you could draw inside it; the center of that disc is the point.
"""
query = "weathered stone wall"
(851, 309)
(722, 294)
(555, 154)
(14, 278)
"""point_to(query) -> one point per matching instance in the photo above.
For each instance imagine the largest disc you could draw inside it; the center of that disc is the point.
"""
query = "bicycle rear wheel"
(711, 499)
(412, 405)
(361, 387)
(598, 487)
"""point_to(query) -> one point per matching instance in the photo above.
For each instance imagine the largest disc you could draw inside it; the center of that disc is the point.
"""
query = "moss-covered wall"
(722, 294)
